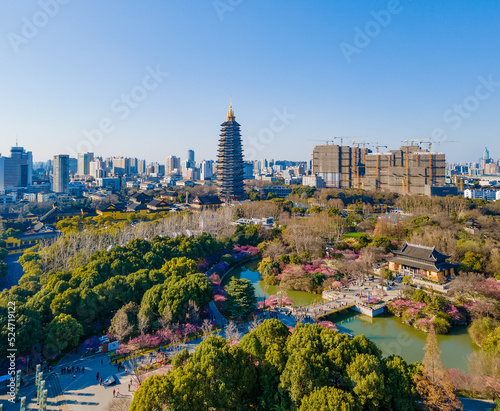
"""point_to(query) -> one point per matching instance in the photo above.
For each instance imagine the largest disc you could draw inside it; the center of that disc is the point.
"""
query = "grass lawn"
(353, 235)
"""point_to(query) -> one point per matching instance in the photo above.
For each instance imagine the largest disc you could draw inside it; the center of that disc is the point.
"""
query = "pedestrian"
(97, 375)
(117, 392)
(130, 380)
(114, 393)
(83, 370)
(129, 388)
(100, 381)
(101, 361)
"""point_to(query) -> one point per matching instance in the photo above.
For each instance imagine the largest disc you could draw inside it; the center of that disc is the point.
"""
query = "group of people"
(72, 370)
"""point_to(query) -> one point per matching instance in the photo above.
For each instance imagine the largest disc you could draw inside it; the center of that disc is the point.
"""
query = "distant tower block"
(230, 160)
(486, 154)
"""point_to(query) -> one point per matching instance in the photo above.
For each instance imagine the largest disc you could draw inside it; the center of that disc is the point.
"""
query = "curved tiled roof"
(422, 257)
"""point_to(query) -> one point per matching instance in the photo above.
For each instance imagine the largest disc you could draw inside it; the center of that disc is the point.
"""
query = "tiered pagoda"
(230, 160)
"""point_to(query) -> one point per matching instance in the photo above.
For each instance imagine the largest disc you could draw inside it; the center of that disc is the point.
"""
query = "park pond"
(387, 331)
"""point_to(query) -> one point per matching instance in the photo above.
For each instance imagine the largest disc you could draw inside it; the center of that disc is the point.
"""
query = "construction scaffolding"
(405, 171)
(339, 166)
(409, 170)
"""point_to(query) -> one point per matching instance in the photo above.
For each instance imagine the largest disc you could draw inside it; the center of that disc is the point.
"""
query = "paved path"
(348, 297)
(83, 392)
(477, 405)
(14, 274)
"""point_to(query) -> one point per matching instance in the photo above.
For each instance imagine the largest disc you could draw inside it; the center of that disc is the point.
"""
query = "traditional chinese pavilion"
(420, 261)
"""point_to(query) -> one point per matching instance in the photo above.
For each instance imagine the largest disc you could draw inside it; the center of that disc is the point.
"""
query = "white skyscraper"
(172, 163)
(84, 160)
(206, 170)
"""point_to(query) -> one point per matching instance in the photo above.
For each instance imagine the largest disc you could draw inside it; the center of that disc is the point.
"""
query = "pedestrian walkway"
(316, 311)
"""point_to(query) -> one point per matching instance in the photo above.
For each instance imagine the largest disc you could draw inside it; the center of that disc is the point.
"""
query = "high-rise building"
(73, 165)
(133, 165)
(339, 166)
(60, 176)
(486, 154)
(172, 163)
(141, 166)
(248, 168)
(158, 169)
(409, 170)
(206, 169)
(190, 156)
(84, 160)
(486, 159)
(121, 166)
(16, 171)
(97, 168)
(230, 159)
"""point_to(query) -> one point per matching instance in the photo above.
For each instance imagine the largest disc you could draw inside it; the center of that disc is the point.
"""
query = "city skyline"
(133, 85)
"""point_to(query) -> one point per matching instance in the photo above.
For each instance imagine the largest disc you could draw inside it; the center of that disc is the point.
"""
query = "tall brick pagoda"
(230, 160)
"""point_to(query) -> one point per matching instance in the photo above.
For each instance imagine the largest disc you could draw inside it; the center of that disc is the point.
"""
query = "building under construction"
(339, 166)
(409, 170)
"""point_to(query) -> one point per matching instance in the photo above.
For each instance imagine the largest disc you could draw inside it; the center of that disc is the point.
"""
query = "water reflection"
(388, 332)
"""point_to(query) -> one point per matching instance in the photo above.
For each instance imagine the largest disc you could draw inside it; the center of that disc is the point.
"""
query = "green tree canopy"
(329, 399)
(63, 331)
(241, 299)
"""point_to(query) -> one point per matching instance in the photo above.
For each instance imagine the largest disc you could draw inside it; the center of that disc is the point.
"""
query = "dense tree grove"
(3, 254)
(59, 307)
(314, 368)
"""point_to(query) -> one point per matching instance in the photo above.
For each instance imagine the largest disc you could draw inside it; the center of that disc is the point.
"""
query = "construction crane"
(356, 160)
(430, 141)
(459, 180)
(336, 138)
(403, 181)
(407, 161)
(377, 178)
(325, 141)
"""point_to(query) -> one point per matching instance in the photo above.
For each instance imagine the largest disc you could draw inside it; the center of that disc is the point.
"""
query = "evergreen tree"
(240, 295)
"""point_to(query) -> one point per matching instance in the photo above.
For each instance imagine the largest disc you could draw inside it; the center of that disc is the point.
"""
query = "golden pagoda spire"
(230, 113)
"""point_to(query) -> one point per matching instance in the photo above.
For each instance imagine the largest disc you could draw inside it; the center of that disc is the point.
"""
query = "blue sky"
(381, 71)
